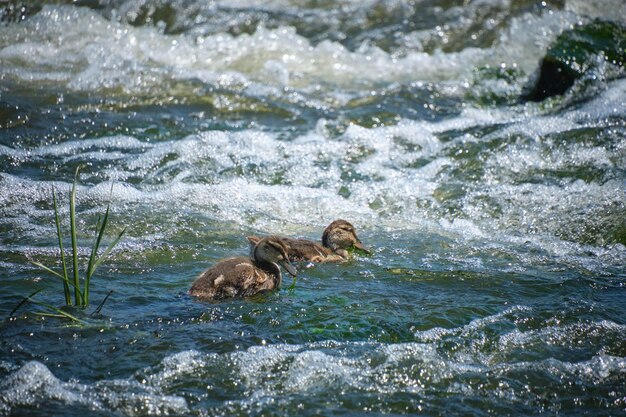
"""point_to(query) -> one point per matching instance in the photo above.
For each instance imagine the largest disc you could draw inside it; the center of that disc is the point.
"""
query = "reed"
(80, 287)
(292, 287)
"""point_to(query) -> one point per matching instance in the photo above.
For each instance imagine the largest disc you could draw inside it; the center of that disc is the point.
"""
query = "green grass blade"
(292, 287)
(58, 311)
(66, 287)
(42, 266)
(21, 303)
(102, 303)
(58, 316)
(78, 297)
(108, 249)
(91, 268)
(94, 252)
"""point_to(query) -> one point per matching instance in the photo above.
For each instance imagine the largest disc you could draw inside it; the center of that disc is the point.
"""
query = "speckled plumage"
(245, 276)
(337, 237)
(307, 250)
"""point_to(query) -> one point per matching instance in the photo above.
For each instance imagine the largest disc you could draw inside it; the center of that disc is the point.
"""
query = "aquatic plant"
(81, 290)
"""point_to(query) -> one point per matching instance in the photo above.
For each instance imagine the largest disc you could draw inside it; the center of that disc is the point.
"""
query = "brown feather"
(236, 277)
(337, 237)
(245, 276)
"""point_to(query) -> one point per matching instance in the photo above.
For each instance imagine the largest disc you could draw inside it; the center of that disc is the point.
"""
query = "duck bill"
(359, 245)
(288, 267)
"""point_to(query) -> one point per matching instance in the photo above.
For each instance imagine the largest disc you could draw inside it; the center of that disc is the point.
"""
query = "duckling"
(337, 237)
(245, 276)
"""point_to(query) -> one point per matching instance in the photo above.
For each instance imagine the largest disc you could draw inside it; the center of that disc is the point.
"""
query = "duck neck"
(326, 242)
(269, 267)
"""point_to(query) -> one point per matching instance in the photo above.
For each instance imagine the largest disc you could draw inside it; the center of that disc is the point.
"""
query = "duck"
(338, 237)
(245, 276)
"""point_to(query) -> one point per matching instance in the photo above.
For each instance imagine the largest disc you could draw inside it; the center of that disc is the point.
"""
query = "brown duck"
(245, 276)
(336, 239)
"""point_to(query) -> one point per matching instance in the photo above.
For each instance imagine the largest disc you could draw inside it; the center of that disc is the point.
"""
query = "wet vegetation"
(72, 283)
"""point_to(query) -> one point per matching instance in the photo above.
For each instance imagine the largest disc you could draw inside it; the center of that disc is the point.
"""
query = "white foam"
(390, 177)
(80, 47)
(97, 149)
(172, 367)
(437, 333)
(561, 335)
(269, 373)
(610, 103)
(613, 10)
(255, 179)
(33, 384)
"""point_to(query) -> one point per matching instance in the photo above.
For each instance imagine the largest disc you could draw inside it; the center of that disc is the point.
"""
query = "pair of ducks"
(246, 276)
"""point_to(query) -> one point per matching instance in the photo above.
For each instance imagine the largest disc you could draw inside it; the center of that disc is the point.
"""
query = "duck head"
(339, 236)
(271, 249)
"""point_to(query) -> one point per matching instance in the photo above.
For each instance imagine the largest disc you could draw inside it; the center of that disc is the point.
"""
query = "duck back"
(307, 250)
(236, 277)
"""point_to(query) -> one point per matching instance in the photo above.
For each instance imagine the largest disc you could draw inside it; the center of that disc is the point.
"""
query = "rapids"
(498, 225)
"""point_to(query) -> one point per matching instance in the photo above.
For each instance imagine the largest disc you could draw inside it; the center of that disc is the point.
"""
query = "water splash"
(33, 385)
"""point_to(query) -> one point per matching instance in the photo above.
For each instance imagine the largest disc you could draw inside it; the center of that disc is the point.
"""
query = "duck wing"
(307, 250)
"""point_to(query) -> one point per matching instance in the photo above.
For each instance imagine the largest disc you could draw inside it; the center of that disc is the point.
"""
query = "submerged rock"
(574, 53)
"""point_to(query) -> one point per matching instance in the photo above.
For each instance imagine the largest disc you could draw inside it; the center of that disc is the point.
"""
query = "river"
(497, 224)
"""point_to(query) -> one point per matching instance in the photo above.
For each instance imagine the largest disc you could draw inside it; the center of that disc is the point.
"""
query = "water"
(496, 286)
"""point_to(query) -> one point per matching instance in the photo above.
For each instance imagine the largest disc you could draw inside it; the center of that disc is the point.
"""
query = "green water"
(496, 283)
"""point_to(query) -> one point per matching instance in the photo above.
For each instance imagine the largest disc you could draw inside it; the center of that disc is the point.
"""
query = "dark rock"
(574, 53)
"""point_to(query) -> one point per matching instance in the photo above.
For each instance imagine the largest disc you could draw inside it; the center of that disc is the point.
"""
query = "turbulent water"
(497, 224)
